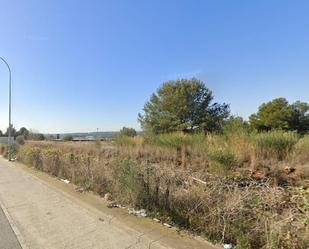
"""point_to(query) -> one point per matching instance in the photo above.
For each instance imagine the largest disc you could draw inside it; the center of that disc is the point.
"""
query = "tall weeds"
(275, 145)
(201, 183)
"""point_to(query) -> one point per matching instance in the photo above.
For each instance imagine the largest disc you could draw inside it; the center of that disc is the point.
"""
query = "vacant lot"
(247, 189)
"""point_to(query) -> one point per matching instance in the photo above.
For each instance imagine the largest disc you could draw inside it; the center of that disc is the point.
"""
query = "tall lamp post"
(10, 109)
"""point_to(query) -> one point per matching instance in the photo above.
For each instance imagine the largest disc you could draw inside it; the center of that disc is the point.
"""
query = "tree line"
(22, 133)
(188, 105)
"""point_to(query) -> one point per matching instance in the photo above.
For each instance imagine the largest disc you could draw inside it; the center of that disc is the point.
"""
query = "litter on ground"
(140, 213)
(167, 225)
(114, 205)
(65, 181)
(79, 189)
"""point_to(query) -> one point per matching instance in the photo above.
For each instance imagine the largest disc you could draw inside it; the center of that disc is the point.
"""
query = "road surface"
(8, 239)
(47, 213)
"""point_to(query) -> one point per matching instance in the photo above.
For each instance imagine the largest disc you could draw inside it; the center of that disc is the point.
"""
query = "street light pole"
(10, 109)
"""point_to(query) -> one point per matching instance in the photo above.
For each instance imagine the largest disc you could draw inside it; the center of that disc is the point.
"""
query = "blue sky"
(82, 65)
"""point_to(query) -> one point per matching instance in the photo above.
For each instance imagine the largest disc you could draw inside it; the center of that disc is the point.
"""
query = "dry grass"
(228, 188)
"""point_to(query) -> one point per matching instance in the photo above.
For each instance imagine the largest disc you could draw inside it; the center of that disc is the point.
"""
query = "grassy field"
(243, 188)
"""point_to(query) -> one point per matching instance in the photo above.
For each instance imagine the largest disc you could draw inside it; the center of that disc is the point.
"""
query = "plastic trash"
(156, 220)
(140, 213)
(79, 189)
(227, 246)
(65, 181)
(167, 225)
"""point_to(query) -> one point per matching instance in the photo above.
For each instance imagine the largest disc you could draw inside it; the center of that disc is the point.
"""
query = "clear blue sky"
(81, 65)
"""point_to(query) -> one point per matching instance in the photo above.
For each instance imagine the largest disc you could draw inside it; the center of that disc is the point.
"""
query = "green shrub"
(176, 139)
(235, 126)
(129, 182)
(130, 132)
(301, 150)
(222, 160)
(274, 145)
(68, 138)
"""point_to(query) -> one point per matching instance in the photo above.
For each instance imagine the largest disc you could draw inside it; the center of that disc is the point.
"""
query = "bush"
(20, 140)
(222, 159)
(130, 132)
(129, 183)
(235, 125)
(176, 140)
(274, 145)
(68, 138)
(301, 150)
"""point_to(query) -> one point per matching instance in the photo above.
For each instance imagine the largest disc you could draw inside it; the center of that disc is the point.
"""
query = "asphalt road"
(8, 238)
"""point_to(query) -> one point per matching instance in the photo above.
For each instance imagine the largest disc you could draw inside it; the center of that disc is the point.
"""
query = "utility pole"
(10, 110)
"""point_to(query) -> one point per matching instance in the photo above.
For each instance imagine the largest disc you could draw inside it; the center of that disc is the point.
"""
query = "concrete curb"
(20, 238)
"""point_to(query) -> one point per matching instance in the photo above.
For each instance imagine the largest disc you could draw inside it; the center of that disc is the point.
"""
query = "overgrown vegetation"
(235, 187)
(233, 181)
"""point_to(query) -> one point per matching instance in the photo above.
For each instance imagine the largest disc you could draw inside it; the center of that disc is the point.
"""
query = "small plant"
(222, 160)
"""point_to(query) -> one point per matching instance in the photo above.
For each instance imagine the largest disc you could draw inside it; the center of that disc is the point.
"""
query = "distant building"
(87, 138)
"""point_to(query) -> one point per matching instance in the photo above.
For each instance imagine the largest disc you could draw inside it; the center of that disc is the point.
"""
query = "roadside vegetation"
(197, 167)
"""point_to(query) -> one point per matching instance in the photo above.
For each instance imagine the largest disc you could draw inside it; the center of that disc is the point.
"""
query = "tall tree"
(279, 114)
(300, 118)
(23, 132)
(183, 105)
